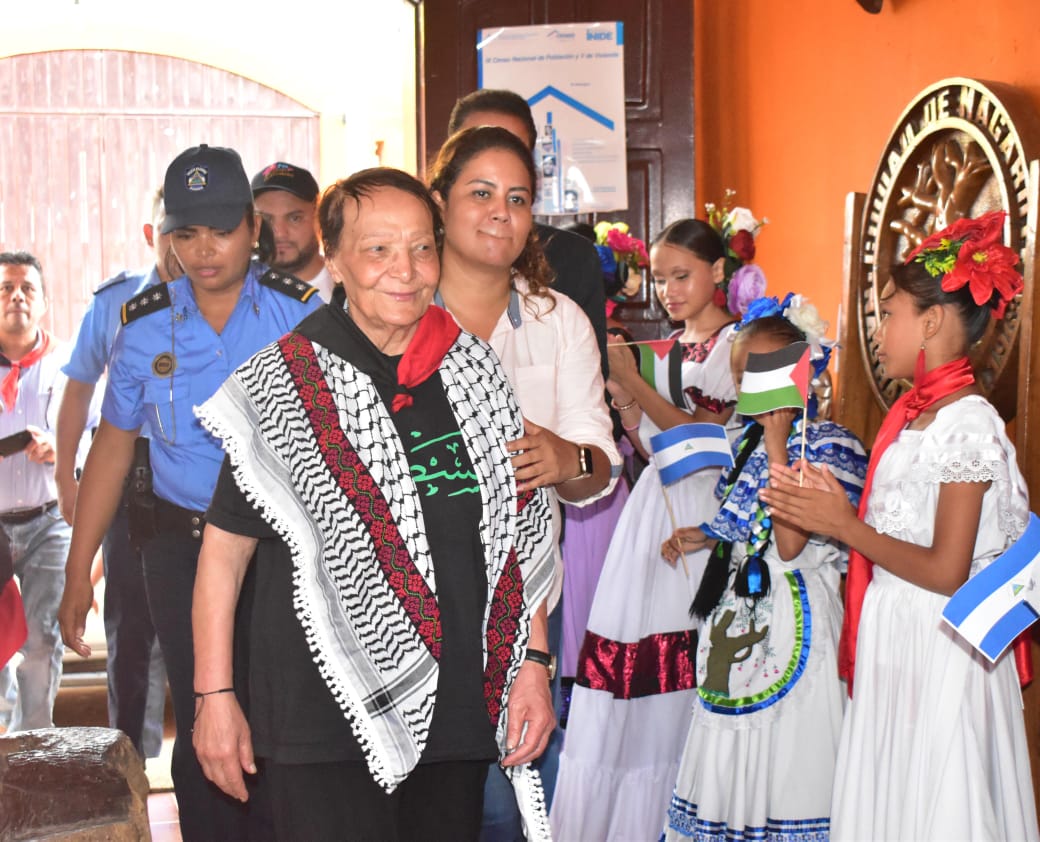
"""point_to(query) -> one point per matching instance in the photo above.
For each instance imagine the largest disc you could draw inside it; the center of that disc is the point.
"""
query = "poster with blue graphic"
(572, 75)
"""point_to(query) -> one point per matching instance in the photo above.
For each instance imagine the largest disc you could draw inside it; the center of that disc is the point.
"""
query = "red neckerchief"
(9, 385)
(929, 387)
(436, 333)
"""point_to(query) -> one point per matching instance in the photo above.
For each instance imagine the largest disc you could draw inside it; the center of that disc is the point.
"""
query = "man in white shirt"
(286, 197)
(33, 535)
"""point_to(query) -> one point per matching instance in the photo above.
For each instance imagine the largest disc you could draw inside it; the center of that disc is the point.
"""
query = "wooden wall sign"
(961, 148)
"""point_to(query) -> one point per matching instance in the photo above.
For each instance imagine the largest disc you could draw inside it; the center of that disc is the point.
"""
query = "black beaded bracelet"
(201, 698)
(214, 692)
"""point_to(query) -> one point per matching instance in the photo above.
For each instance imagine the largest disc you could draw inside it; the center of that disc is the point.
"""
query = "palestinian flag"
(660, 365)
(775, 380)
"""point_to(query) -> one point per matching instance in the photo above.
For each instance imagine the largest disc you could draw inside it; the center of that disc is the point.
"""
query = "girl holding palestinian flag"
(933, 744)
(630, 708)
(759, 756)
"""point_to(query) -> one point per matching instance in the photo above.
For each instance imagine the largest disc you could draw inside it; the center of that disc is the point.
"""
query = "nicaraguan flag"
(775, 380)
(688, 448)
(1000, 601)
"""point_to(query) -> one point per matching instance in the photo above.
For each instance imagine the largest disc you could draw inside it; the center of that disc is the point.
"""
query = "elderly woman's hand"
(530, 705)
(223, 743)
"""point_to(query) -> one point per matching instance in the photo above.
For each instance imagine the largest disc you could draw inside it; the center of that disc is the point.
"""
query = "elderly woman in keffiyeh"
(400, 579)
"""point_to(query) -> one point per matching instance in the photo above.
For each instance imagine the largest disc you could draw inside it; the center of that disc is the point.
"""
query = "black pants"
(129, 634)
(206, 813)
(339, 802)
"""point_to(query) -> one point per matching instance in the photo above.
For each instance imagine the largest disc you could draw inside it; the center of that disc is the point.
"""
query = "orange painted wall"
(796, 98)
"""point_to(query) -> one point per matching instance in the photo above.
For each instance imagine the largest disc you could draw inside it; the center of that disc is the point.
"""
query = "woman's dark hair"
(360, 185)
(494, 101)
(582, 229)
(459, 150)
(694, 235)
(913, 278)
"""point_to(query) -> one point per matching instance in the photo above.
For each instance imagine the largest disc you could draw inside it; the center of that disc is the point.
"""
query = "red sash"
(9, 385)
(436, 333)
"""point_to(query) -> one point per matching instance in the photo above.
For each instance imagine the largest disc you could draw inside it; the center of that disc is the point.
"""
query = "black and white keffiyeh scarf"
(313, 448)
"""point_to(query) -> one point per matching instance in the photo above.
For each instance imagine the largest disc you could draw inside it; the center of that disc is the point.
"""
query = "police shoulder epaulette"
(147, 301)
(288, 285)
(115, 280)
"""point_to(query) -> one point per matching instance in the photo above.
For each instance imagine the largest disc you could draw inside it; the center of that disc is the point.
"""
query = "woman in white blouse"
(495, 282)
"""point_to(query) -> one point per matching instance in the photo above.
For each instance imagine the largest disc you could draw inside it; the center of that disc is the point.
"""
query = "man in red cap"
(286, 197)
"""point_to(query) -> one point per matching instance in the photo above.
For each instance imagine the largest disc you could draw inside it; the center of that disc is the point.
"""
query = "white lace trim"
(967, 470)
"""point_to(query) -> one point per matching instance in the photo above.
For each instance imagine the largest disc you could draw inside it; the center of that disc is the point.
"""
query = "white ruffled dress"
(934, 745)
(759, 758)
(625, 736)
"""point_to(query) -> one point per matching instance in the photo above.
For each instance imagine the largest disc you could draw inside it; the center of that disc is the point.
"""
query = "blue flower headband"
(799, 312)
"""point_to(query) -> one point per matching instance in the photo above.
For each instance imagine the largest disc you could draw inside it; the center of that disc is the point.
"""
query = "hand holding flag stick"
(682, 450)
(675, 528)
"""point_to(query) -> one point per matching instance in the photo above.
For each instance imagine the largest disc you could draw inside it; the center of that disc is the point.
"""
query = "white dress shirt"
(550, 355)
(25, 484)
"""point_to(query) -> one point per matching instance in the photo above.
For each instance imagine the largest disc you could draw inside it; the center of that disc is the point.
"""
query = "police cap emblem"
(196, 178)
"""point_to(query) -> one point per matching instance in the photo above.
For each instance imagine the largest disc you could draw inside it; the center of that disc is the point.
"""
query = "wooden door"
(658, 98)
(85, 137)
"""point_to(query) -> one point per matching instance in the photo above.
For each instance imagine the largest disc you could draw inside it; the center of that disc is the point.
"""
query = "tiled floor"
(162, 817)
(162, 805)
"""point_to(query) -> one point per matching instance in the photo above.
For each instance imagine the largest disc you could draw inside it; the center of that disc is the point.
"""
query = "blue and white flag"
(688, 448)
(1000, 601)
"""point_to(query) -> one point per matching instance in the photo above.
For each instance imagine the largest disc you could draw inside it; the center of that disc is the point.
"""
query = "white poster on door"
(572, 76)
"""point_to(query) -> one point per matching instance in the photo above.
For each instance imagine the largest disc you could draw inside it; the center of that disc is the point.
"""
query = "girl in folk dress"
(759, 757)
(933, 744)
(631, 705)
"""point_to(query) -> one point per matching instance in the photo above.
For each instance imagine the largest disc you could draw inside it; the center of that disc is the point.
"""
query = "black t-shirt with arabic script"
(293, 716)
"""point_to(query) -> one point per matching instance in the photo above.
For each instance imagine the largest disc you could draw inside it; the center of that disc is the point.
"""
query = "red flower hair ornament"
(971, 252)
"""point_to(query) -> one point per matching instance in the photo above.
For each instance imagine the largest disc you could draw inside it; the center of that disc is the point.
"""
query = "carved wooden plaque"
(956, 151)
(961, 148)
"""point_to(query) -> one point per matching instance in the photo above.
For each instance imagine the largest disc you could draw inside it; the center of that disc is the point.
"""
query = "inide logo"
(597, 35)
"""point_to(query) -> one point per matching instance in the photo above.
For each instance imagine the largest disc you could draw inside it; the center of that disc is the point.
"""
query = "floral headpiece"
(971, 252)
(800, 312)
(743, 281)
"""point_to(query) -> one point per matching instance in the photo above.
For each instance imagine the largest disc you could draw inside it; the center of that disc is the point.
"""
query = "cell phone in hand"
(15, 443)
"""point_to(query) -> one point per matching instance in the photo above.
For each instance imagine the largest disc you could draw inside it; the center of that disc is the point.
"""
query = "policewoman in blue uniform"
(177, 344)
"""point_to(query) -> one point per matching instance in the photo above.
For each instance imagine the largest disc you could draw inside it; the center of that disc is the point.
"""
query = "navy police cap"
(206, 185)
